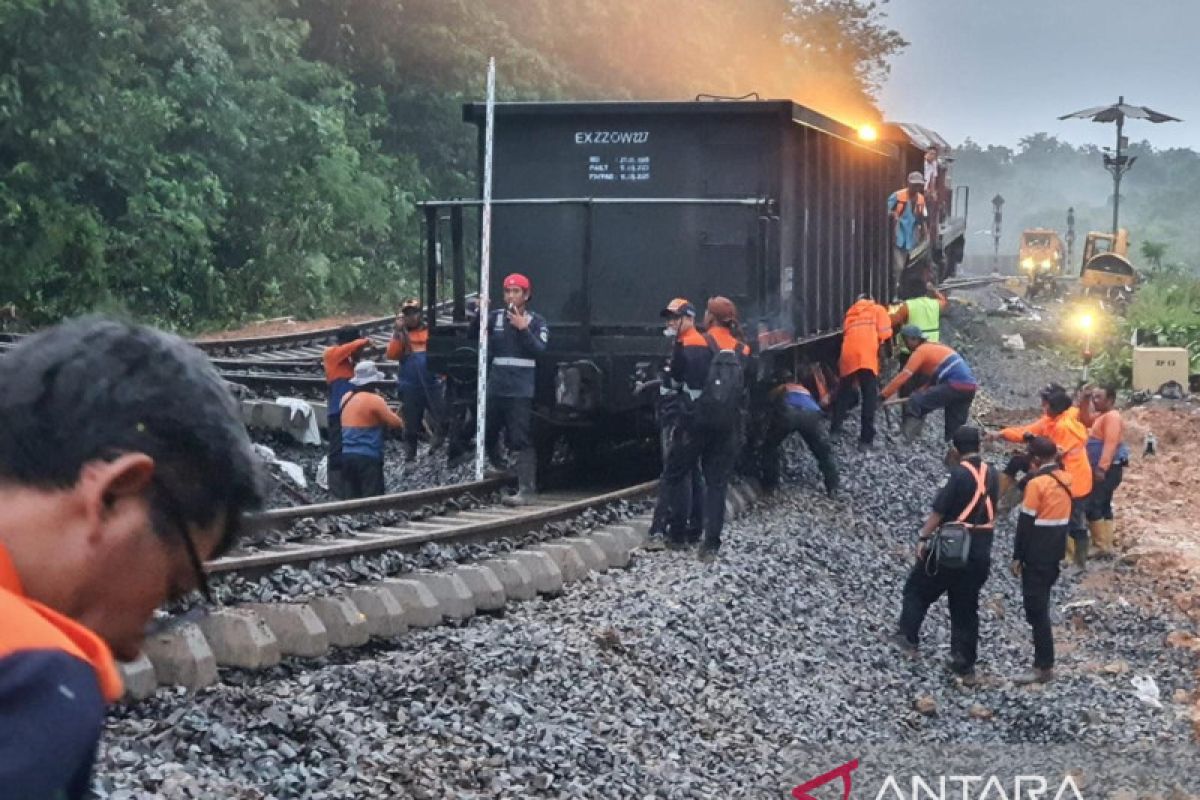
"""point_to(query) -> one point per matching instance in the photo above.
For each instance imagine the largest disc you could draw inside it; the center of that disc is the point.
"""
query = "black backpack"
(720, 401)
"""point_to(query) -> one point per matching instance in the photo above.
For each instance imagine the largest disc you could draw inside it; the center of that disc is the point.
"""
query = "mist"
(1042, 177)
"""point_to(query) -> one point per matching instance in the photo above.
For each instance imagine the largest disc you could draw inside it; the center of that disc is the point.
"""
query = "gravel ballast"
(673, 679)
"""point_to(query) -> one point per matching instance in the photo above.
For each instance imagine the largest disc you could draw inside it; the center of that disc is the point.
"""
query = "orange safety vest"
(902, 203)
(980, 476)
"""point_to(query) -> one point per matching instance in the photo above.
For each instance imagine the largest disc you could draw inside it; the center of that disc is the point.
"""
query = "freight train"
(614, 208)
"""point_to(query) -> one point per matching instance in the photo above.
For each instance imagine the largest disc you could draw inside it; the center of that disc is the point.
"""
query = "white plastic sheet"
(303, 420)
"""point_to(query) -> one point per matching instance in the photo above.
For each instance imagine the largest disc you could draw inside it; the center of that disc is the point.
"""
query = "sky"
(997, 70)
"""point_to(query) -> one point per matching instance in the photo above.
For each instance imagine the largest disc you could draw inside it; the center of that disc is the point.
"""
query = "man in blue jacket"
(516, 337)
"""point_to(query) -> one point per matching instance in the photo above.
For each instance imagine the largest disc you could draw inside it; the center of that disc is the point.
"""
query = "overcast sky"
(997, 70)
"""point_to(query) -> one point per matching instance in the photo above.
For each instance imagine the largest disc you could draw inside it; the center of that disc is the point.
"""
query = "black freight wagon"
(614, 208)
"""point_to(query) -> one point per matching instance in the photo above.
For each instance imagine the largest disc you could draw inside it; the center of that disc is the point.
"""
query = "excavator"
(1106, 272)
(1041, 259)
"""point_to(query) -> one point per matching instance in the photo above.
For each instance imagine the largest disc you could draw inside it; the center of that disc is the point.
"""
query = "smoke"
(830, 55)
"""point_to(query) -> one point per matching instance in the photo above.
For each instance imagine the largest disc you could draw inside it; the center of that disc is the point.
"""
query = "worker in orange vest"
(339, 361)
(419, 389)
(910, 225)
(1060, 424)
(865, 328)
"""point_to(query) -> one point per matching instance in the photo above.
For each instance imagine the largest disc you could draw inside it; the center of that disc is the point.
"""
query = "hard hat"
(517, 281)
(411, 304)
(679, 307)
(722, 309)
(916, 177)
(911, 331)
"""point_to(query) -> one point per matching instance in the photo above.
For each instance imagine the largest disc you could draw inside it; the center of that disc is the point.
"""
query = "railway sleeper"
(257, 636)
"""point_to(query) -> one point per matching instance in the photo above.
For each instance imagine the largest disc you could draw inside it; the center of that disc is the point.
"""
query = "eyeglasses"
(176, 519)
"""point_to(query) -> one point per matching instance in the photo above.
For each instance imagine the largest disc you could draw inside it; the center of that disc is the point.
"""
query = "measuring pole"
(485, 270)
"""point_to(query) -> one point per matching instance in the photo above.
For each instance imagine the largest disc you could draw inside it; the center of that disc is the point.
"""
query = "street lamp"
(1117, 163)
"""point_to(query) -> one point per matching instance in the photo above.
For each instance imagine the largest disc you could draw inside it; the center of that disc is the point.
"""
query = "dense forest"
(194, 162)
(1043, 177)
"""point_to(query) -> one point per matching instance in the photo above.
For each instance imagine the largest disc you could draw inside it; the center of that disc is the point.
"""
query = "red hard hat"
(517, 281)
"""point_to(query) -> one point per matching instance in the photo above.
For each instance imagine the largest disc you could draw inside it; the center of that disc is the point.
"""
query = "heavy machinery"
(1106, 272)
(1041, 260)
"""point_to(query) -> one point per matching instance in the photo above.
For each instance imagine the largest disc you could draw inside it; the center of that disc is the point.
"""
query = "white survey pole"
(485, 270)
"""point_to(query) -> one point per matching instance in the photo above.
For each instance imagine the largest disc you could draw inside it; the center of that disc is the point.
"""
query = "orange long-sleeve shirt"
(336, 360)
(934, 359)
(1068, 433)
(865, 327)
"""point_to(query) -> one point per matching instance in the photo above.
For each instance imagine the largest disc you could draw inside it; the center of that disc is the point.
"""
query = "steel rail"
(479, 524)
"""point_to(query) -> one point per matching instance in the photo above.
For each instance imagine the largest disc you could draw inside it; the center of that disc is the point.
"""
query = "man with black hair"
(124, 465)
(1060, 424)
(339, 362)
(1039, 545)
(968, 498)
(1108, 457)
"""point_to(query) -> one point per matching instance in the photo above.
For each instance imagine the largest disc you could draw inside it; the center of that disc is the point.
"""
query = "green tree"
(1154, 252)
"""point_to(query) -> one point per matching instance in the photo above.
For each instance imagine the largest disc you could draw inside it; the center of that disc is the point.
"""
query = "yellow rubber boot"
(1099, 537)
(1070, 556)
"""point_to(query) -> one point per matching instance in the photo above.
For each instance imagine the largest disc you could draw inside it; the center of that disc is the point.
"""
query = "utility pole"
(1118, 164)
(1115, 161)
(1070, 236)
(997, 217)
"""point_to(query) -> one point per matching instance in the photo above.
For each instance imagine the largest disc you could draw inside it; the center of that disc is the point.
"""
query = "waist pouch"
(952, 545)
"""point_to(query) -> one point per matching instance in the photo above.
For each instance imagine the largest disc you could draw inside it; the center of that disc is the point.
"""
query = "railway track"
(448, 526)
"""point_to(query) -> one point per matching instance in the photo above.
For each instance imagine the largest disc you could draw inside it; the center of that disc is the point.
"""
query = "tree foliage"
(196, 161)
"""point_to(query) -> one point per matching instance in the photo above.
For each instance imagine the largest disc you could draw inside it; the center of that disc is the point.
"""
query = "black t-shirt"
(959, 490)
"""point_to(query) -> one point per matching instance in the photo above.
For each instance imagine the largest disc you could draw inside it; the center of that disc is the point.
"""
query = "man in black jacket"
(1039, 546)
(968, 497)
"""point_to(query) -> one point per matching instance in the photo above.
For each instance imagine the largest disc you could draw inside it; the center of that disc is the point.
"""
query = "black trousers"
(362, 476)
(513, 415)
(715, 452)
(784, 422)
(1100, 502)
(1036, 582)
(694, 486)
(956, 404)
(865, 383)
(962, 586)
(333, 463)
(416, 401)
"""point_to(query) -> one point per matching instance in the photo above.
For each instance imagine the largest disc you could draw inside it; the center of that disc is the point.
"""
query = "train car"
(614, 208)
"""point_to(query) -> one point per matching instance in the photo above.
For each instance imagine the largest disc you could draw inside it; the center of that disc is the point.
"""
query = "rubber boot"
(911, 428)
(1035, 675)
(526, 479)
(1081, 554)
(1096, 528)
(1069, 556)
(410, 451)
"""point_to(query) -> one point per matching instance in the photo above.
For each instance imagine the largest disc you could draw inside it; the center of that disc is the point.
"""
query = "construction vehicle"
(1041, 261)
(1106, 272)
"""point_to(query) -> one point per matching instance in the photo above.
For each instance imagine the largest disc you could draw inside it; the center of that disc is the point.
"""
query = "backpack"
(719, 403)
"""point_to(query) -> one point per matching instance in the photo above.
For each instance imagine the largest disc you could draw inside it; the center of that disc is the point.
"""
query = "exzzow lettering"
(611, 137)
